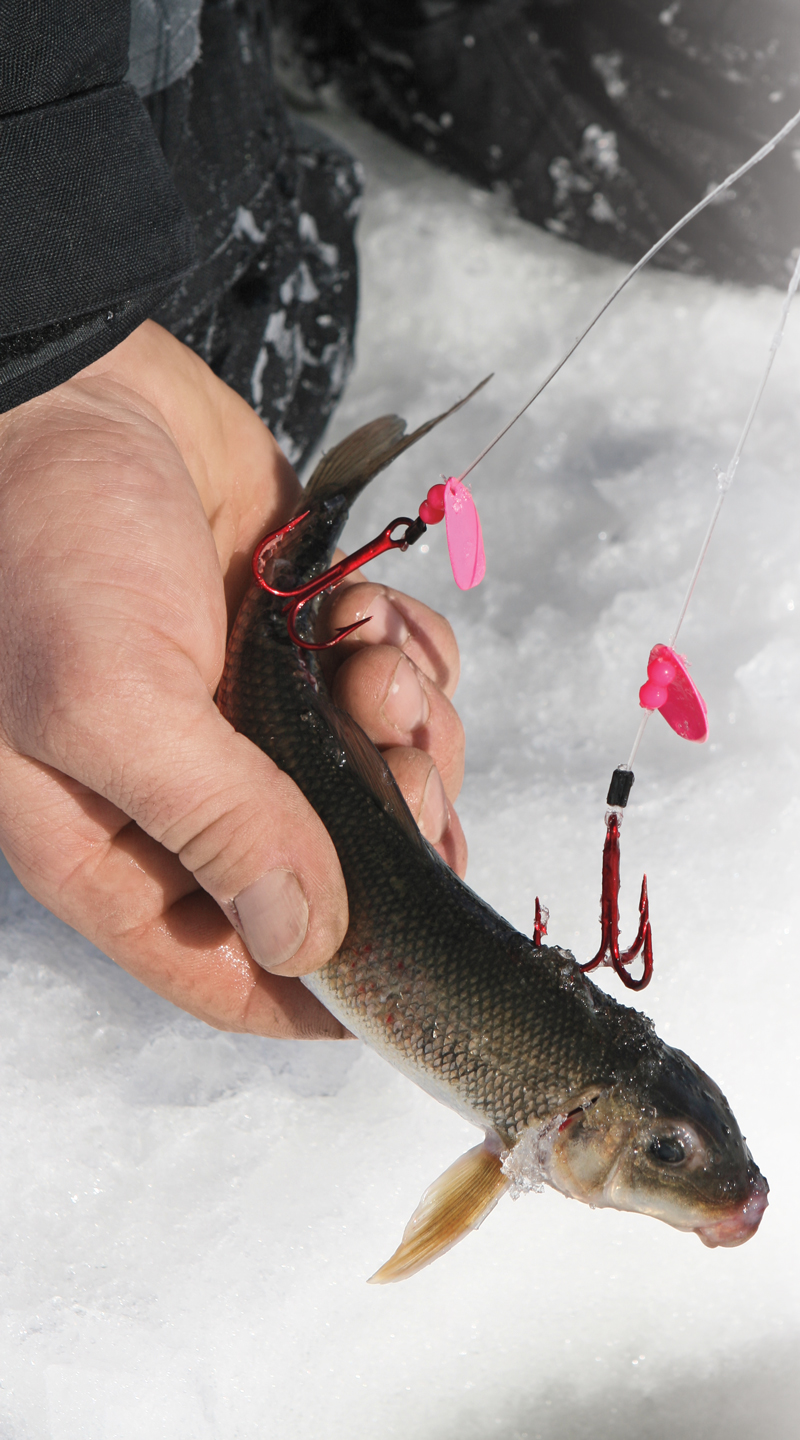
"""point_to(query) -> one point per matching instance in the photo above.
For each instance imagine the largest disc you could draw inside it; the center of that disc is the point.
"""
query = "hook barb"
(609, 951)
(296, 599)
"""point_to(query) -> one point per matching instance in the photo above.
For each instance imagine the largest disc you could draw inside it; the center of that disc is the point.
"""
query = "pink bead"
(652, 696)
(661, 672)
(431, 511)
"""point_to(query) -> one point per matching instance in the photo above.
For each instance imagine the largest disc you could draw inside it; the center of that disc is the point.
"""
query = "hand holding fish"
(130, 502)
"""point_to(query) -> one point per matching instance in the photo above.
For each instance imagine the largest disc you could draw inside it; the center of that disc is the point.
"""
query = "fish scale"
(513, 1036)
(502, 1031)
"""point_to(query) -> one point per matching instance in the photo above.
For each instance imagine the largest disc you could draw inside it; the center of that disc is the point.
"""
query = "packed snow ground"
(188, 1218)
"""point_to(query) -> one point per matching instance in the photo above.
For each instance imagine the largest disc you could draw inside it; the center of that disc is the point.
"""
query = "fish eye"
(667, 1149)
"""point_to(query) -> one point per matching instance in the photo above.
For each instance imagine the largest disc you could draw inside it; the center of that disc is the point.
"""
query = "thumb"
(255, 844)
(156, 746)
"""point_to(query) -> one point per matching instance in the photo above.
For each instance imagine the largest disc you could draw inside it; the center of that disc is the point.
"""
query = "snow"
(188, 1218)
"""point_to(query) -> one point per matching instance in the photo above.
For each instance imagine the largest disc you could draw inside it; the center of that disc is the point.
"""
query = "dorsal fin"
(351, 464)
(373, 772)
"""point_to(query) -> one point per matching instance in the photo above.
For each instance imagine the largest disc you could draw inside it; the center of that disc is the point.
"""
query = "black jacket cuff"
(93, 234)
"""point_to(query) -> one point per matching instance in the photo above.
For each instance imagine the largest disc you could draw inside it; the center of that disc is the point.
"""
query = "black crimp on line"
(415, 531)
(620, 788)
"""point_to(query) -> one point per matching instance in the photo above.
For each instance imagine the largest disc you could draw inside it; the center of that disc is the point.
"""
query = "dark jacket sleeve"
(93, 233)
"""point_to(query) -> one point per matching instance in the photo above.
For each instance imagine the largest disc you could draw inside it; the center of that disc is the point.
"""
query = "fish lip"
(735, 1229)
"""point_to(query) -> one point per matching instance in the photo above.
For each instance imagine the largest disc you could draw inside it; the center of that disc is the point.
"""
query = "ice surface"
(188, 1218)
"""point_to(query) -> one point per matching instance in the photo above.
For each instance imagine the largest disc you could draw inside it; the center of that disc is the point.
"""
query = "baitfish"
(570, 1088)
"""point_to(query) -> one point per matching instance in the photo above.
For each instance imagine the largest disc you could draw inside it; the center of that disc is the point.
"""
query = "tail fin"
(350, 465)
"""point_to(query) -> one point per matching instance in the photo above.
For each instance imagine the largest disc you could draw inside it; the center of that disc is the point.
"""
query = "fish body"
(569, 1086)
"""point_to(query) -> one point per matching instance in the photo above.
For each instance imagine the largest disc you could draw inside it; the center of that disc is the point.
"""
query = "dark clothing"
(271, 302)
(202, 207)
(92, 230)
(603, 120)
(208, 208)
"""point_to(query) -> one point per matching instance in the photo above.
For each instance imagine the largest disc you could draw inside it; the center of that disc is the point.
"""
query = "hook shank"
(609, 951)
(296, 599)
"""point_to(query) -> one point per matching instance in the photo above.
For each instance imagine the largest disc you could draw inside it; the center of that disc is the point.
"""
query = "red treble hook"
(296, 599)
(609, 952)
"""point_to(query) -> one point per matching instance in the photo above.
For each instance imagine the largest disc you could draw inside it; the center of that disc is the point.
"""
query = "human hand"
(131, 499)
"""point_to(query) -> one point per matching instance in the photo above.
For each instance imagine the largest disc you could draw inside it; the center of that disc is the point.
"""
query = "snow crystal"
(526, 1164)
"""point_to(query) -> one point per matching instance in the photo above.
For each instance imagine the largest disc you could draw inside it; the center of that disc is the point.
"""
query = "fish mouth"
(735, 1229)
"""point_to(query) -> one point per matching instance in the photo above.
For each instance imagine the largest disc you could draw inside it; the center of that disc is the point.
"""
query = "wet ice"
(526, 1165)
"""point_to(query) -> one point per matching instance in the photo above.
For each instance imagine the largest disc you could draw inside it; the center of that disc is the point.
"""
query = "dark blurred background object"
(601, 120)
(151, 165)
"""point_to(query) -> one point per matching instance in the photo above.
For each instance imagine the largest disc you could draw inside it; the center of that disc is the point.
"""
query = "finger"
(88, 863)
(397, 704)
(144, 733)
(394, 619)
(453, 845)
(425, 796)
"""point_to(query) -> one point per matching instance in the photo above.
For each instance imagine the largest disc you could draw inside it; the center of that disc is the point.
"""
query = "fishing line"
(725, 481)
(654, 249)
(668, 687)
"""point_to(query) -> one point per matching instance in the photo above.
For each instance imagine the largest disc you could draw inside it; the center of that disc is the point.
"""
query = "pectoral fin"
(455, 1204)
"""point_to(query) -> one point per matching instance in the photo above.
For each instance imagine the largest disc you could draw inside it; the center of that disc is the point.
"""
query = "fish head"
(667, 1146)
